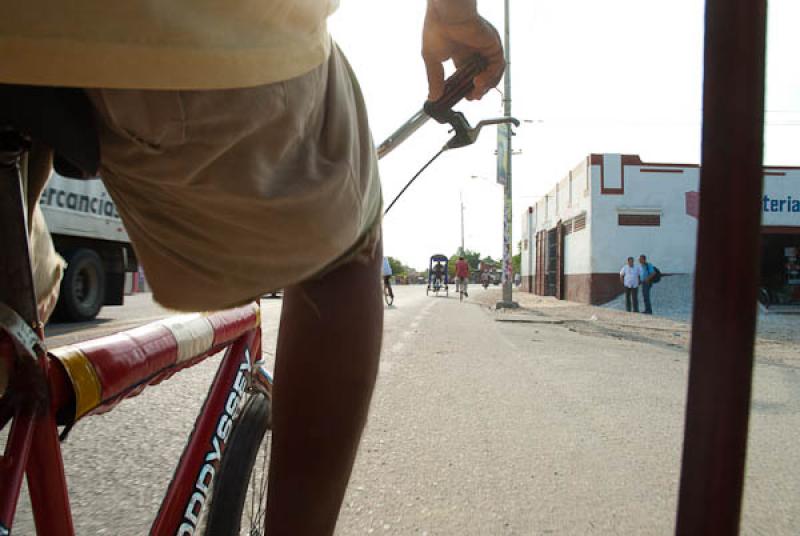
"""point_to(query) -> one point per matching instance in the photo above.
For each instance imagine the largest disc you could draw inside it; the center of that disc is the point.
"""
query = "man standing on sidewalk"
(629, 275)
(646, 273)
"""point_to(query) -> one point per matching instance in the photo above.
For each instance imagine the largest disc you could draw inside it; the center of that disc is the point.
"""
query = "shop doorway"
(780, 266)
(549, 279)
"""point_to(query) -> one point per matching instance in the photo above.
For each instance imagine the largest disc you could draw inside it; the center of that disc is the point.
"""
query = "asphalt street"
(483, 423)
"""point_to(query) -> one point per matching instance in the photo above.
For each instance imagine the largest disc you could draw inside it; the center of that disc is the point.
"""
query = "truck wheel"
(83, 288)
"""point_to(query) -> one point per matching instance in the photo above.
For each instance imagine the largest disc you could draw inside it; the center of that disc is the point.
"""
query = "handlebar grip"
(456, 88)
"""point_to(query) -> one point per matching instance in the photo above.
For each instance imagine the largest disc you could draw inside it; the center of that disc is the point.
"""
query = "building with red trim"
(611, 206)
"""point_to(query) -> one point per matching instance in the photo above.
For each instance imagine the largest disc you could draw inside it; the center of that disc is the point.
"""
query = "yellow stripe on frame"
(83, 377)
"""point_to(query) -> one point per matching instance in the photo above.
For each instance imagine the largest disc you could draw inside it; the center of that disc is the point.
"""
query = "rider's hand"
(454, 30)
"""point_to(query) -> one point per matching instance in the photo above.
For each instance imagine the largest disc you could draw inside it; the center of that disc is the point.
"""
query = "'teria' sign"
(780, 204)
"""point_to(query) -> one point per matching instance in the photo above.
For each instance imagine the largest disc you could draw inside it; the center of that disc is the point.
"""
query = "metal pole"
(724, 319)
(507, 301)
(15, 262)
(529, 238)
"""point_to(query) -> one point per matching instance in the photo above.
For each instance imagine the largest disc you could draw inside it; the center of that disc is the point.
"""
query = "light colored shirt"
(387, 268)
(630, 275)
(162, 44)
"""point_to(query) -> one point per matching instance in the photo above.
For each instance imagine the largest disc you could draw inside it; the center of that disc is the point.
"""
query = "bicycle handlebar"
(458, 86)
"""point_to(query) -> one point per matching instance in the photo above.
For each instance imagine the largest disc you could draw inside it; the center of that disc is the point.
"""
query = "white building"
(576, 238)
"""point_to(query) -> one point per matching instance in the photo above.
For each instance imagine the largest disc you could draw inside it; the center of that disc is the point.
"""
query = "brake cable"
(464, 135)
(456, 87)
(417, 174)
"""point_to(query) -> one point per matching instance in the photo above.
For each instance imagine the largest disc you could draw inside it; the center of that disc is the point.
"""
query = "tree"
(491, 264)
(473, 258)
(516, 263)
(516, 260)
(399, 269)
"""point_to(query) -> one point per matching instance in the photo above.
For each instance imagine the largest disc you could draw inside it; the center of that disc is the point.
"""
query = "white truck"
(87, 231)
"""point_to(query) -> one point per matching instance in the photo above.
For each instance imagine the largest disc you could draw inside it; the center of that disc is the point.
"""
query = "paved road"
(478, 427)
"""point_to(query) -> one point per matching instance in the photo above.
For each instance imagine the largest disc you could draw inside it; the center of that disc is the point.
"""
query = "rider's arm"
(454, 30)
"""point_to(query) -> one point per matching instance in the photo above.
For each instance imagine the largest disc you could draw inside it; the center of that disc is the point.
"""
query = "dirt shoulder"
(778, 340)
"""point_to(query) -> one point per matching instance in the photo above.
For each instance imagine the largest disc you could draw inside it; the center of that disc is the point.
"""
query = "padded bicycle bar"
(102, 372)
(724, 318)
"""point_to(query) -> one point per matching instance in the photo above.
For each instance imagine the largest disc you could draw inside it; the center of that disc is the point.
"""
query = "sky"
(617, 76)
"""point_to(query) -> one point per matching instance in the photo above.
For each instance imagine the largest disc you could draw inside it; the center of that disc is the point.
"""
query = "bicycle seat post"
(16, 277)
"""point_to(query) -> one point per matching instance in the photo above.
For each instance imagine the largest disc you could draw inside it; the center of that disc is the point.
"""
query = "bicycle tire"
(243, 474)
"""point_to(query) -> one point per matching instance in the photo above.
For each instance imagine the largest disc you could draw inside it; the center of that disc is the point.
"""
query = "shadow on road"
(63, 328)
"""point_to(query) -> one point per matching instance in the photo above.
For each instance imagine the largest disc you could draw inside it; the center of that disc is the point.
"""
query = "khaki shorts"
(228, 194)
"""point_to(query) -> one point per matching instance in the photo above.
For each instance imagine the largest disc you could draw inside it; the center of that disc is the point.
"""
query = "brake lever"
(465, 134)
(458, 86)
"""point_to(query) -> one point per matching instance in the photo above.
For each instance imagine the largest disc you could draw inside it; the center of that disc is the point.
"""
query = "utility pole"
(504, 151)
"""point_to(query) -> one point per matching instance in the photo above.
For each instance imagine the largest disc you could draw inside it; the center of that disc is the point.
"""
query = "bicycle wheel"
(239, 499)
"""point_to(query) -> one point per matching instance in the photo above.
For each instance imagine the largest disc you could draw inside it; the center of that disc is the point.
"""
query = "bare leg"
(326, 364)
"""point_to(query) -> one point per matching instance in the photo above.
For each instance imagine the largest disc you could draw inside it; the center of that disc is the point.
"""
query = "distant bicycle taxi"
(438, 275)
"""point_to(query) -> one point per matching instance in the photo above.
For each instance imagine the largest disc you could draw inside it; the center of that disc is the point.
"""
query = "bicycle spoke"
(262, 487)
(252, 505)
(258, 492)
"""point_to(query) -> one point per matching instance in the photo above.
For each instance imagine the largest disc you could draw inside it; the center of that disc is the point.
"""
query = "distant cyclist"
(438, 275)
(462, 275)
(387, 278)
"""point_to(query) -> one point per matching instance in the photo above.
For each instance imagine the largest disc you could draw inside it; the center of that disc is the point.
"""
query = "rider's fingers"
(435, 72)
(490, 76)
(492, 51)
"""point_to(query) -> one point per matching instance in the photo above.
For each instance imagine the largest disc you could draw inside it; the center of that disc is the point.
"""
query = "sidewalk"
(778, 338)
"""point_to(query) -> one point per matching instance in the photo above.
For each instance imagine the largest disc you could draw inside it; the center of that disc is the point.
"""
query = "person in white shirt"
(630, 275)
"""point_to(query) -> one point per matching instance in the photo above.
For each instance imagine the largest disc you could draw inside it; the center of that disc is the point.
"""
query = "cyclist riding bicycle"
(462, 275)
(387, 277)
(438, 275)
(236, 147)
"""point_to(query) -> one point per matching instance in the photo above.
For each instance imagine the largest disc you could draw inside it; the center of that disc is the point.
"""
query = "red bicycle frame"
(92, 377)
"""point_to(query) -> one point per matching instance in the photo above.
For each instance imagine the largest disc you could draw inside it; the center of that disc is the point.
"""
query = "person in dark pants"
(647, 272)
(629, 276)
